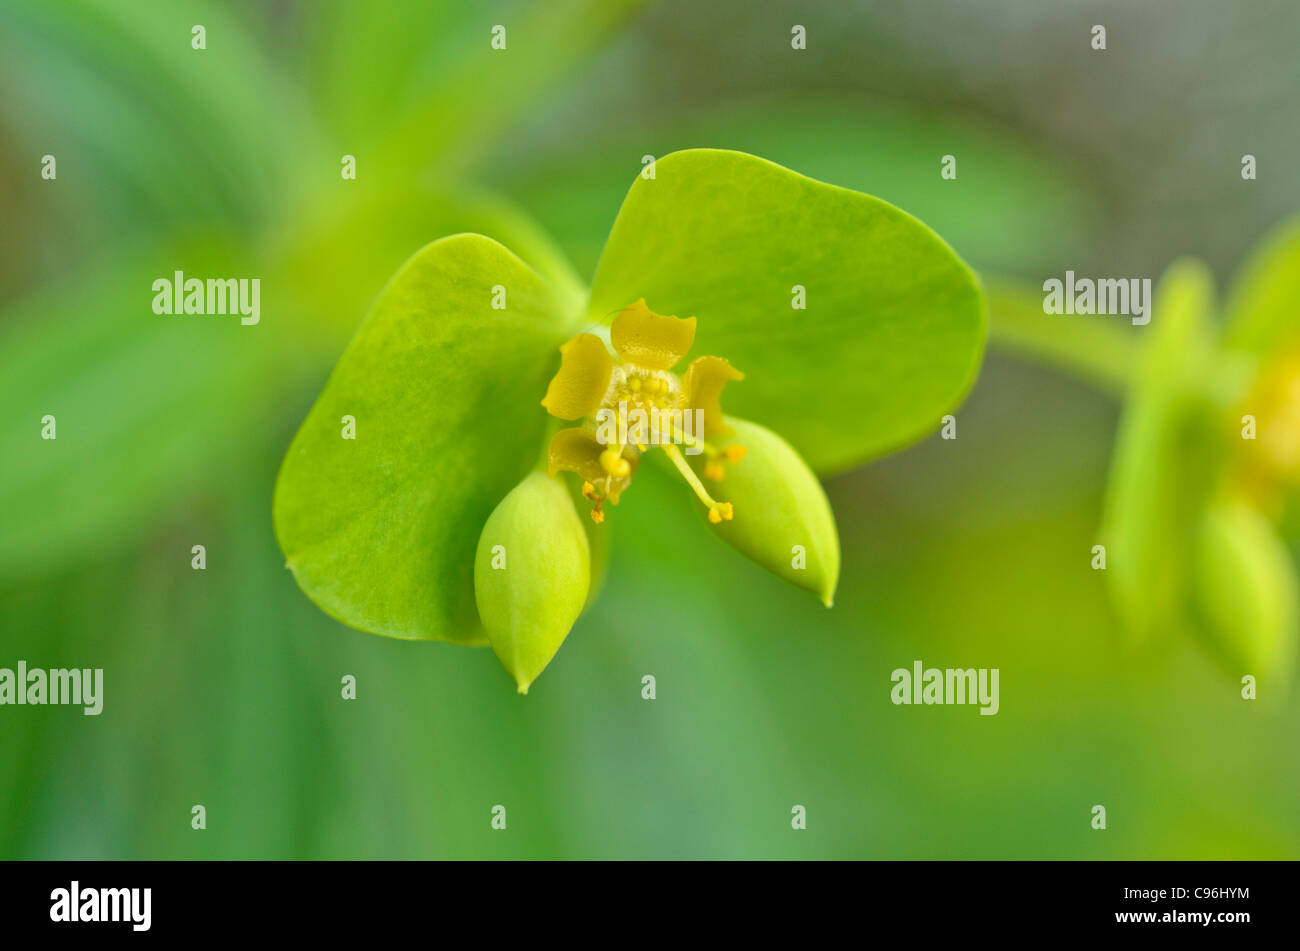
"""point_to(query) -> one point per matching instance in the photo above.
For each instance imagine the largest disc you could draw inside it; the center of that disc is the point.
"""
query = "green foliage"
(220, 161)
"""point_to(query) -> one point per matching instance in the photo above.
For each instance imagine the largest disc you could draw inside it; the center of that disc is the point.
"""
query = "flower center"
(635, 403)
(645, 409)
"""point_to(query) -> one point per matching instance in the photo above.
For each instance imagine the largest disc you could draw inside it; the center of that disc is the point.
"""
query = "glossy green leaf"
(1246, 591)
(1164, 459)
(380, 531)
(894, 324)
(532, 573)
(782, 518)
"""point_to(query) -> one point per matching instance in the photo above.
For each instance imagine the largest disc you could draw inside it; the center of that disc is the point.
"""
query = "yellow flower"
(636, 404)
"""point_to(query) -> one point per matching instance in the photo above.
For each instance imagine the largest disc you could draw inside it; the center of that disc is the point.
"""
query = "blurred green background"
(223, 686)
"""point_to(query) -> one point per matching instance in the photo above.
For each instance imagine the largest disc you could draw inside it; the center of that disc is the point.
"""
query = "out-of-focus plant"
(1202, 498)
(226, 160)
(855, 326)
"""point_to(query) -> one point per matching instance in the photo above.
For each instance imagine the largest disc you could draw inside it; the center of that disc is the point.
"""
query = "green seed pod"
(1246, 591)
(782, 519)
(531, 575)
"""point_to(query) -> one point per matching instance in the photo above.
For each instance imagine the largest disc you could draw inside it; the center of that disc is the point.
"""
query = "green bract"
(380, 530)
(855, 326)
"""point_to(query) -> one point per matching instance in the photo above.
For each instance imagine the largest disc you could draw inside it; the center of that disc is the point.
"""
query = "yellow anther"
(718, 511)
(634, 384)
(597, 515)
(589, 492)
(727, 511)
(734, 453)
(714, 471)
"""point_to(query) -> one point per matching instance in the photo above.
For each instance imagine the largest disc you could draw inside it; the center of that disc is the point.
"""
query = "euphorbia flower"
(639, 395)
(448, 515)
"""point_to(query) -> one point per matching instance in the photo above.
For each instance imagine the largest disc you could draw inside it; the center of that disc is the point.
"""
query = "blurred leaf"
(363, 58)
(118, 85)
(1263, 312)
(335, 259)
(380, 531)
(1246, 592)
(1012, 208)
(467, 93)
(148, 409)
(894, 326)
(1165, 459)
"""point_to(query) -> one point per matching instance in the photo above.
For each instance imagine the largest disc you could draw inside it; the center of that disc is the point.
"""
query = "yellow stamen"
(714, 471)
(734, 453)
(589, 492)
(718, 511)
